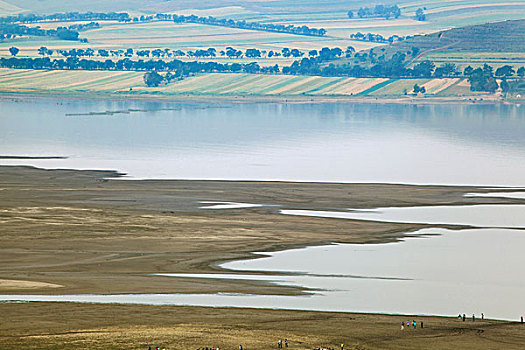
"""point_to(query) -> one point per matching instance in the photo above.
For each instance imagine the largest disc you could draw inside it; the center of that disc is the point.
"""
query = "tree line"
(378, 38)
(481, 79)
(68, 16)
(211, 52)
(125, 17)
(12, 30)
(382, 11)
(268, 27)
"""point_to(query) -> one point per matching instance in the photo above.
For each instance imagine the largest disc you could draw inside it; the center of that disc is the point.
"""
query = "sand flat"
(6, 285)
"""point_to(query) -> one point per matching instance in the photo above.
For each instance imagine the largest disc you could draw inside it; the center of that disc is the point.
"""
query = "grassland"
(67, 231)
(46, 326)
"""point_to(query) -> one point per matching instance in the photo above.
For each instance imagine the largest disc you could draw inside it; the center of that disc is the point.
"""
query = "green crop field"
(86, 81)
(221, 84)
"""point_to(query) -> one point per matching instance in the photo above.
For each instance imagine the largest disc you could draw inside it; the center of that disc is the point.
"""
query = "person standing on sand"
(414, 323)
(522, 319)
(240, 347)
(482, 316)
(421, 324)
(464, 317)
(402, 326)
(286, 343)
(342, 346)
(473, 318)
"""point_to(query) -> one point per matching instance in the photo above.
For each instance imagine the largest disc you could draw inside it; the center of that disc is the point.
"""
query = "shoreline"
(91, 234)
(252, 99)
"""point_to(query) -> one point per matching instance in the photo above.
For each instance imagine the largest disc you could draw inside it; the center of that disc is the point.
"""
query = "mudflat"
(93, 232)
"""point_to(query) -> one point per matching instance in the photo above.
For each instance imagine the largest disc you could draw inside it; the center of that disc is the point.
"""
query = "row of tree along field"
(13, 30)
(384, 11)
(378, 38)
(482, 79)
(126, 18)
(229, 52)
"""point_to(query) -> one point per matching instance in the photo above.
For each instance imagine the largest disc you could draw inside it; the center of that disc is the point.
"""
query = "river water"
(436, 144)
(444, 272)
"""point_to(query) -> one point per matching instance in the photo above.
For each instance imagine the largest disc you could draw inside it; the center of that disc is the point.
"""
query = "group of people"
(464, 317)
(413, 324)
(209, 348)
(280, 344)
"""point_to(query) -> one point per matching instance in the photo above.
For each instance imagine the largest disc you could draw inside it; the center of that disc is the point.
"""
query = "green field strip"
(309, 85)
(218, 85)
(281, 84)
(246, 86)
(343, 82)
(326, 85)
(455, 90)
(238, 85)
(35, 78)
(92, 81)
(131, 81)
(268, 83)
(106, 80)
(15, 74)
(207, 84)
(377, 87)
(216, 80)
(299, 88)
(396, 87)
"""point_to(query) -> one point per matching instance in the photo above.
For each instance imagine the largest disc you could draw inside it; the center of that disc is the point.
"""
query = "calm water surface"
(439, 144)
(469, 271)
(442, 275)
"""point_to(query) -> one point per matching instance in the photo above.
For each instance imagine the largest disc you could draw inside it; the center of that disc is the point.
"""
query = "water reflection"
(440, 144)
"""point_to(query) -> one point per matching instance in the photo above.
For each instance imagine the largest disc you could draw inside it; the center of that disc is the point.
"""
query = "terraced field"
(477, 59)
(220, 84)
(440, 87)
(85, 81)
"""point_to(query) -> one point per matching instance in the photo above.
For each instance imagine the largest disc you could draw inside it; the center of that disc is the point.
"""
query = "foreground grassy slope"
(46, 326)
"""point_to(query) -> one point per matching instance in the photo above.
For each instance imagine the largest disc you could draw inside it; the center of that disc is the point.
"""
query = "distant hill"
(507, 36)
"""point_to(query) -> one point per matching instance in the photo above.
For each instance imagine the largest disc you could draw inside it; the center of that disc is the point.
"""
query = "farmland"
(116, 82)
(460, 46)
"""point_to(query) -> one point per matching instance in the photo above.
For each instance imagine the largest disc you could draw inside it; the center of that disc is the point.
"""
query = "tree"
(415, 51)
(419, 89)
(505, 71)
(482, 80)
(42, 50)
(152, 79)
(446, 69)
(350, 14)
(468, 71)
(521, 72)
(14, 51)
(424, 69)
(349, 51)
(420, 15)
(504, 85)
